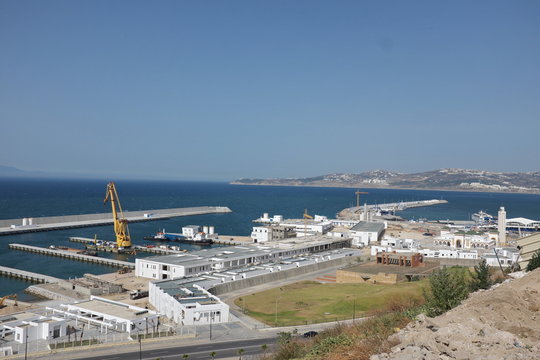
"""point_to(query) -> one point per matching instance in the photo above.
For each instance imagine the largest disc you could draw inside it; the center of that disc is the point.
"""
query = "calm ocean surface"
(33, 198)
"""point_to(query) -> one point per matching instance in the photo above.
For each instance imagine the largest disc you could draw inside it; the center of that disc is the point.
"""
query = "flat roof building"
(364, 233)
(215, 259)
(109, 314)
(187, 303)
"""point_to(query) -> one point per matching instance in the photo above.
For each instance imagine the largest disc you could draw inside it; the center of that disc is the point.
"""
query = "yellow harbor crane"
(306, 217)
(123, 240)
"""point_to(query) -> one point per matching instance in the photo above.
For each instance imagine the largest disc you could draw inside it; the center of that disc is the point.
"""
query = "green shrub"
(329, 343)
(481, 278)
(448, 288)
(534, 262)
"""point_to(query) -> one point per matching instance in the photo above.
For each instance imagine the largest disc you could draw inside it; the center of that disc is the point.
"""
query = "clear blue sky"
(218, 90)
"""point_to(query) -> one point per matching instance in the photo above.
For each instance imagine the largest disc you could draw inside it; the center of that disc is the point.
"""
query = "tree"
(534, 262)
(185, 356)
(213, 354)
(448, 289)
(240, 352)
(481, 278)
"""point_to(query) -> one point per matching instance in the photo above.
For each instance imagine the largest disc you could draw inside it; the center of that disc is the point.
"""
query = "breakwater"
(26, 225)
(388, 207)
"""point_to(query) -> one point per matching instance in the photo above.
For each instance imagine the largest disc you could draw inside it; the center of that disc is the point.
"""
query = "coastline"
(368, 186)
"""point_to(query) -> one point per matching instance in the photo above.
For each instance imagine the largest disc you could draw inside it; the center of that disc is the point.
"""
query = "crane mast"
(123, 239)
(306, 217)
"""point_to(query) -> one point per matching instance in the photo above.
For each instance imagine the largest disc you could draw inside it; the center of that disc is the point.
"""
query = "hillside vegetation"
(498, 323)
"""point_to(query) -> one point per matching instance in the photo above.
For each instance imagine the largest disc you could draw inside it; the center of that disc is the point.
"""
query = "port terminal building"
(194, 300)
(231, 257)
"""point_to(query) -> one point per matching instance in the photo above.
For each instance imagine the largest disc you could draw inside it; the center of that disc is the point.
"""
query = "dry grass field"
(308, 302)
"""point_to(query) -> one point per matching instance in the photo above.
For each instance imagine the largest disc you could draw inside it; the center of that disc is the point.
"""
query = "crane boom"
(123, 239)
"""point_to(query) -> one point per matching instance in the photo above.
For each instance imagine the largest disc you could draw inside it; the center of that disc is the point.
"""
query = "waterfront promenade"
(19, 226)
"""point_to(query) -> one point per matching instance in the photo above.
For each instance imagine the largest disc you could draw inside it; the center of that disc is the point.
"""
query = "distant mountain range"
(9, 171)
(13, 172)
(443, 179)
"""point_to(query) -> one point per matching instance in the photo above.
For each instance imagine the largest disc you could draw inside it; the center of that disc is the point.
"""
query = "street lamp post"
(26, 344)
(211, 318)
(140, 347)
(275, 317)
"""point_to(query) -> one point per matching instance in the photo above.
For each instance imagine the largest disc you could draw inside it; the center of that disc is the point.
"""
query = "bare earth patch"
(500, 323)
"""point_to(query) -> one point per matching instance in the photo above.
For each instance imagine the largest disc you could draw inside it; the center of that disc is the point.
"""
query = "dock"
(153, 250)
(72, 255)
(27, 275)
(26, 225)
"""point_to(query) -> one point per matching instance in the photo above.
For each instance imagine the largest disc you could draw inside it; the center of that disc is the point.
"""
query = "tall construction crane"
(123, 240)
(306, 217)
(358, 193)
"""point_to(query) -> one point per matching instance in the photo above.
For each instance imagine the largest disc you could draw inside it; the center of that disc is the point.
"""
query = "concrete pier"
(154, 250)
(19, 226)
(352, 212)
(72, 255)
(27, 275)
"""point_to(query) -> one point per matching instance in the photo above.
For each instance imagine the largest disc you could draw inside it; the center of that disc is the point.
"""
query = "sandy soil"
(236, 238)
(10, 307)
(500, 323)
(130, 282)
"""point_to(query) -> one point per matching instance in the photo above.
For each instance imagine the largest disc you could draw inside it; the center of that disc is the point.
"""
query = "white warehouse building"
(364, 233)
(187, 304)
(168, 267)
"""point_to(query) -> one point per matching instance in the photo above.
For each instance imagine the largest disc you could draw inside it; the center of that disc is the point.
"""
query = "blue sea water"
(38, 197)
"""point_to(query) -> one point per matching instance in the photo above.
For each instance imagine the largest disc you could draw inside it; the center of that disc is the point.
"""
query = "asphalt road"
(196, 352)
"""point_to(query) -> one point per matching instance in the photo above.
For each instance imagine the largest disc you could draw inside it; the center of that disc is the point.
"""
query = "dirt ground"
(130, 282)
(500, 323)
(10, 308)
(406, 230)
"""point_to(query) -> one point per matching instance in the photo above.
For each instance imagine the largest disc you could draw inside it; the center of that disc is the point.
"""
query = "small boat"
(160, 236)
(164, 236)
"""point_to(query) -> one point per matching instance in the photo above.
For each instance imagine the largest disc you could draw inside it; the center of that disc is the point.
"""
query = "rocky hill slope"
(443, 179)
(500, 323)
